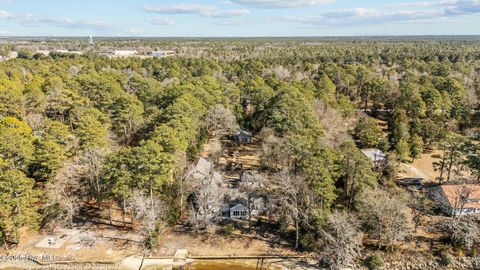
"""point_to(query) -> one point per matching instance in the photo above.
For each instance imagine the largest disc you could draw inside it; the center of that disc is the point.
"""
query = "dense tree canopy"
(124, 130)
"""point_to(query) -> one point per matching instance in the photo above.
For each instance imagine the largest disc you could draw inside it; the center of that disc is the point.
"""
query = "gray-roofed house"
(376, 156)
(203, 168)
(239, 211)
(243, 136)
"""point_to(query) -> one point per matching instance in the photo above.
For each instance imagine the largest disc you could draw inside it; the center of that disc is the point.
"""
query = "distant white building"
(124, 52)
(90, 40)
(161, 53)
(376, 156)
(69, 52)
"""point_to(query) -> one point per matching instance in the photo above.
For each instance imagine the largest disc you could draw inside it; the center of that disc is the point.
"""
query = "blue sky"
(171, 18)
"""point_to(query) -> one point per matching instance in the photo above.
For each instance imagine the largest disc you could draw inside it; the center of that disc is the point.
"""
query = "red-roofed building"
(458, 199)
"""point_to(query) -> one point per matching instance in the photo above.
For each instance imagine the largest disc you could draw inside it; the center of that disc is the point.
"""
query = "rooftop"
(456, 193)
(203, 167)
(374, 154)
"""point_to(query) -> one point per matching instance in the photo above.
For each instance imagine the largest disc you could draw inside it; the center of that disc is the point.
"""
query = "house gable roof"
(243, 132)
(374, 154)
(203, 167)
(239, 207)
(456, 193)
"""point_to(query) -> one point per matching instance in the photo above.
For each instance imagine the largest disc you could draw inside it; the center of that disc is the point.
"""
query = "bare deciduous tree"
(221, 121)
(149, 219)
(341, 241)
(207, 198)
(273, 149)
(464, 232)
(295, 199)
(253, 188)
(185, 182)
(215, 149)
(92, 161)
(281, 72)
(385, 216)
(64, 196)
(335, 127)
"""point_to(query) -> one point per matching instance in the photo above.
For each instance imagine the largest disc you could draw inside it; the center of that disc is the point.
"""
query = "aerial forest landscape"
(239, 135)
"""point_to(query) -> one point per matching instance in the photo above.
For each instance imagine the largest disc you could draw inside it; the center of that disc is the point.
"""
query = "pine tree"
(416, 146)
(18, 200)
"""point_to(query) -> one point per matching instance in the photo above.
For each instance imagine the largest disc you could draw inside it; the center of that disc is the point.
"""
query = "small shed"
(239, 211)
(243, 136)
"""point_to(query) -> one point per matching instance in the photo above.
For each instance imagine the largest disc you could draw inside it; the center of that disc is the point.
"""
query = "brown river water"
(219, 265)
(204, 265)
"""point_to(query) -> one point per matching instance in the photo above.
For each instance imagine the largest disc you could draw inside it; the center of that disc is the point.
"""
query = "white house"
(239, 211)
(376, 156)
(457, 200)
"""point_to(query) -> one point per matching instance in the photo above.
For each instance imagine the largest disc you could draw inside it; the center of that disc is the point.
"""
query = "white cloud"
(236, 22)
(230, 13)
(452, 7)
(203, 10)
(135, 31)
(424, 3)
(362, 16)
(463, 7)
(33, 20)
(161, 21)
(281, 3)
(4, 14)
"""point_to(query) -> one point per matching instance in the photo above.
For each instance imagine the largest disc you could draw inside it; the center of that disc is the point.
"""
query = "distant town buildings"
(124, 53)
(69, 52)
(161, 53)
(109, 52)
